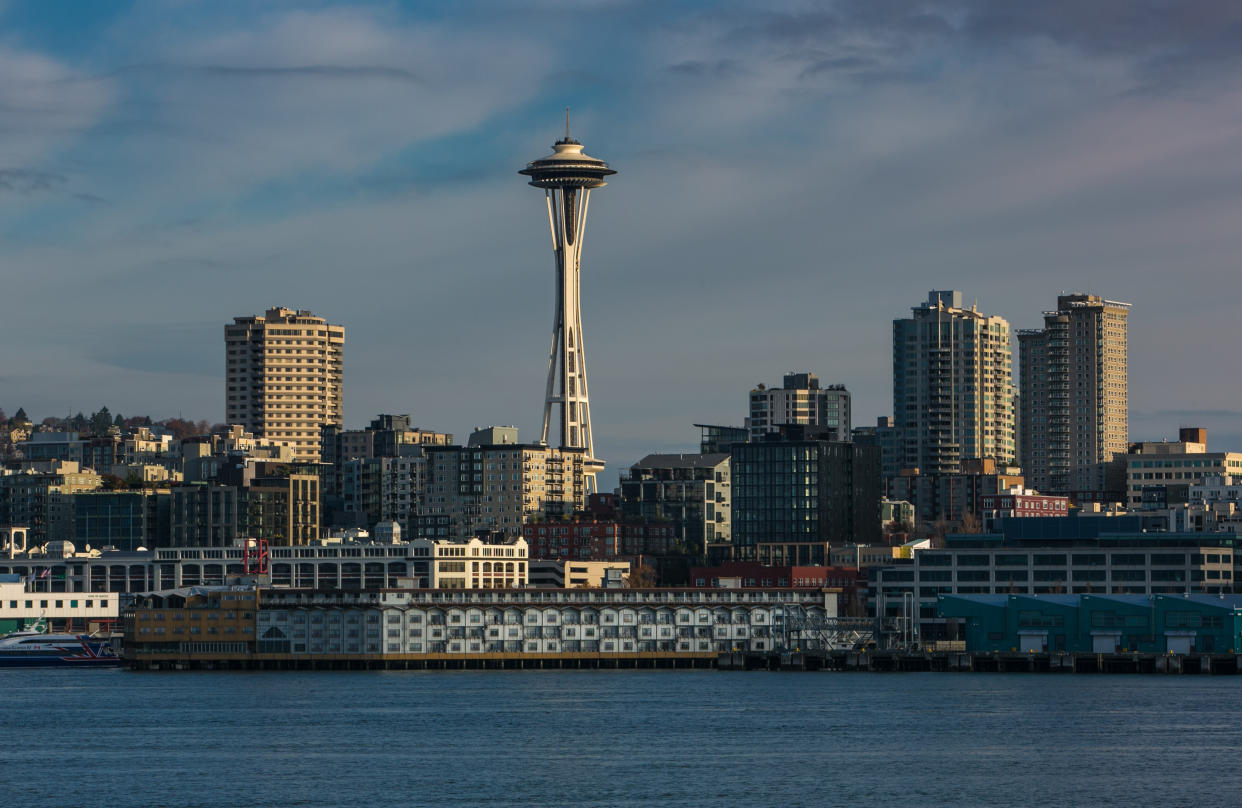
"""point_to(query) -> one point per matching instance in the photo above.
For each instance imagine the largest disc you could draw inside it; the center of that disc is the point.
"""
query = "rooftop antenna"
(567, 123)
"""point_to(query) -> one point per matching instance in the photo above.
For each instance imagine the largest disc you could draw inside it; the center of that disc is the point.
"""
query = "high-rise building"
(1074, 414)
(952, 386)
(568, 176)
(799, 400)
(284, 377)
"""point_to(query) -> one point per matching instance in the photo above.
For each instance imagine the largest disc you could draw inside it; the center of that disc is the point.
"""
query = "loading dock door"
(1179, 642)
(1036, 641)
(1105, 642)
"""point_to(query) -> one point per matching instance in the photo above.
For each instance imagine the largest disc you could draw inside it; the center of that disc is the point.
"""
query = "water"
(616, 738)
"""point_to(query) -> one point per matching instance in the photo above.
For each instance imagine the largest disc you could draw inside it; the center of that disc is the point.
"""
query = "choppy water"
(616, 738)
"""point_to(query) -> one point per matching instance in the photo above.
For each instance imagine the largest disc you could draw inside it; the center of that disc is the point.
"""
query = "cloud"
(27, 181)
(792, 177)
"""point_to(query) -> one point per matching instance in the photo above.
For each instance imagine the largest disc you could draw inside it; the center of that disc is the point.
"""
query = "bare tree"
(970, 523)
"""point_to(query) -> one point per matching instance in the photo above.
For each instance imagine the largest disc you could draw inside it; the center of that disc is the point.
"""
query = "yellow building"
(219, 623)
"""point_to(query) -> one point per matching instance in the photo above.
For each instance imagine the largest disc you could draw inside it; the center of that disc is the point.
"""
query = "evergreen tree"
(21, 417)
(118, 421)
(78, 423)
(100, 421)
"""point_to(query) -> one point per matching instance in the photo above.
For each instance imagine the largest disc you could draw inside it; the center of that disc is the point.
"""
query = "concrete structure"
(284, 377)
(349, 565)
(885, 436)
(1072, 555)
(952, 386)
(952, 497)
(567, 177)
(382, 489)
(566, 574)
(473, 564)
(1161, 465)
(692, 491)
(862, 556)
(498, 487)
(283, 510)
(796, 495)
(1074, 404)
(206, 515)
(799, 400)
(39, 497)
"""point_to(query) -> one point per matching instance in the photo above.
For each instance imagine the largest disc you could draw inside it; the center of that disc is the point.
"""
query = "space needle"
(567, 177)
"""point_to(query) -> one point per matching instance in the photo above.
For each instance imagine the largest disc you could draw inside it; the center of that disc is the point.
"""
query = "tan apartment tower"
(1074, 403)
(952, 386)
(284, 374)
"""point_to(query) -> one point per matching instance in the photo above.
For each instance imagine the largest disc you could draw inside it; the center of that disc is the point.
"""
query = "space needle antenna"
(567, 177)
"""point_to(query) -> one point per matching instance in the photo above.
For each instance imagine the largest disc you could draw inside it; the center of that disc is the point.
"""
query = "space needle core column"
(567, 177)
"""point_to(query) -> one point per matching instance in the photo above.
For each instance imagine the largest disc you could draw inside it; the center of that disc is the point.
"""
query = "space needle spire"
(567, 177)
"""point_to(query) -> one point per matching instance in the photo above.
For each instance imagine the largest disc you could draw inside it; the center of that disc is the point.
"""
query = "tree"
(970, 523)
(641, 577)
(111, 482)
(100, 422)
(118, 421)
(21, 417)
(79, 423)
(180, 429)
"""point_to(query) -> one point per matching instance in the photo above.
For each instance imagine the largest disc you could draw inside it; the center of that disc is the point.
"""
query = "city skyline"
(347, 153)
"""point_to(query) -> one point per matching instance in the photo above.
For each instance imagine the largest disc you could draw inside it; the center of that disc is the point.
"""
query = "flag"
(46, 572)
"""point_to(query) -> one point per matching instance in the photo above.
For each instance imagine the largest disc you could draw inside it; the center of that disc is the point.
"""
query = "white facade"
(473, 564)
(58, 609)
(545, 622)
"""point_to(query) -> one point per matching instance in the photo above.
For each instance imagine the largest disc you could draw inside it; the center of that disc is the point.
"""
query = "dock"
(965, 662)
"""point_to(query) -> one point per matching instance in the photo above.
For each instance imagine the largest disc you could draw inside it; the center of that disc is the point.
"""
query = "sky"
(792, 177)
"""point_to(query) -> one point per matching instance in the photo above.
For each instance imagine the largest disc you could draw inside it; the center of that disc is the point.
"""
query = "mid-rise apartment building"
(953, 395)
(1154, 465)
(692, 491)
(795, 495)
(39, 497)
(799, 400)
(284, 377)
(1074, 410)
(496, 484)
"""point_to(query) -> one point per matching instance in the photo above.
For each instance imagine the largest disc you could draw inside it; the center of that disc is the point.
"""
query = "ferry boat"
(32, 648)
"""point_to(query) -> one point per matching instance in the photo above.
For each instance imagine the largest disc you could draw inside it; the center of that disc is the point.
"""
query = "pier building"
(394, 627)
(1097, 624)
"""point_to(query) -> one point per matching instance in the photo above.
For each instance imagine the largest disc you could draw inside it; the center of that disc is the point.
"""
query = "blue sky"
(793, 175)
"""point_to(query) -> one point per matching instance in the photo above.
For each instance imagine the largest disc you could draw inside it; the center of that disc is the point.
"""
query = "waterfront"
(617, 738)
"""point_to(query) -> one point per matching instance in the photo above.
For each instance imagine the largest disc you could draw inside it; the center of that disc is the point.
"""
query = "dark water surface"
(617, 738)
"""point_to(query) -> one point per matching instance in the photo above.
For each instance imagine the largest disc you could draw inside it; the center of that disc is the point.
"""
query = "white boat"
(32, 648)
